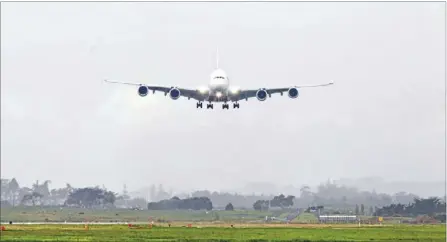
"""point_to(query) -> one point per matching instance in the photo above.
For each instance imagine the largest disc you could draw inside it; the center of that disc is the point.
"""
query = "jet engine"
(261, 95)
(143, 91)
(293, 92)
(174, 93)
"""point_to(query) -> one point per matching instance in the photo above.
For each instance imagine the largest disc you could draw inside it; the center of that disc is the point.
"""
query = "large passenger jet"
(218, 90)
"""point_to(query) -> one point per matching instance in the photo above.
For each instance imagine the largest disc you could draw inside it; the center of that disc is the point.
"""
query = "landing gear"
(211, 105)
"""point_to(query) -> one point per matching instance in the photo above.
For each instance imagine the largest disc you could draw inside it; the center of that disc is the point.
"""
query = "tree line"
(326, 194)
(433, 207)
(41, 195)
(280, 201)
(331, 196)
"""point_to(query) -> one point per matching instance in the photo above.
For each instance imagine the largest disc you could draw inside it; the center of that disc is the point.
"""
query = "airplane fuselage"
(218, 86)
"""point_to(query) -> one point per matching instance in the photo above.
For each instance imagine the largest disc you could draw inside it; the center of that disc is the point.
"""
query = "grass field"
(30, 214)
(206, 226)
(34, 214)
(292, 232)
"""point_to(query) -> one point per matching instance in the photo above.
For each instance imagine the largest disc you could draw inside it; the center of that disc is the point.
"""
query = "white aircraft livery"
(218, 90)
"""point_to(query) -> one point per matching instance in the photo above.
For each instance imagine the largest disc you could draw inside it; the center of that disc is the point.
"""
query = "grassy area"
(306, 218)
(238, 233)
(30, 214)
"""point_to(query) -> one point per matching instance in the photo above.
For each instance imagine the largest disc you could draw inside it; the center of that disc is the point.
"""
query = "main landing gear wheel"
(225, 106)
(199, 105)
(209, 105)
(235, 105)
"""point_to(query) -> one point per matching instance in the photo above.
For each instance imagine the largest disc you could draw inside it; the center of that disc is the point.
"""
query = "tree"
(109, 197)
(34, 197)
(4, 189)
(36, 186)
(305, 191)
(13, 190)
(42, 189)
(22, 192)
(420, 207)
(229, 207)
(89, 197)
(68, 187)
(45, 188)
(257, 205)
(289, 200)
(282, 201)
(261, 205)
(58, 196)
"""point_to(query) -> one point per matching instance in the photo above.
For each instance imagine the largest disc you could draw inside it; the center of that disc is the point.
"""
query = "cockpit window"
(219, 77)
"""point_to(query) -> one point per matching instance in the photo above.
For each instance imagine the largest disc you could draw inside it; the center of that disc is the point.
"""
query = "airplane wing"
(143, 90)
(263, 93)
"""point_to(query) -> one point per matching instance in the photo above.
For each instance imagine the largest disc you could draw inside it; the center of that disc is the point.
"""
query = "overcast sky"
(384, 117)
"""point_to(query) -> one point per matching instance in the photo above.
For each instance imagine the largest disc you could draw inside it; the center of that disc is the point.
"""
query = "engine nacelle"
(261, 95)
(143, 91)
(293, 92)
(174, 93)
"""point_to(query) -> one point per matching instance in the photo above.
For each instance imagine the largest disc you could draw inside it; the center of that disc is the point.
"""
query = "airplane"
(218, 90)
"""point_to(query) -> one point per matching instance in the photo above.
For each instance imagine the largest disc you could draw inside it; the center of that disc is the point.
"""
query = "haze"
(384, 117)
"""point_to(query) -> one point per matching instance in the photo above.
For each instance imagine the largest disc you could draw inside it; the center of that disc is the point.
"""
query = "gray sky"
(384, 117)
